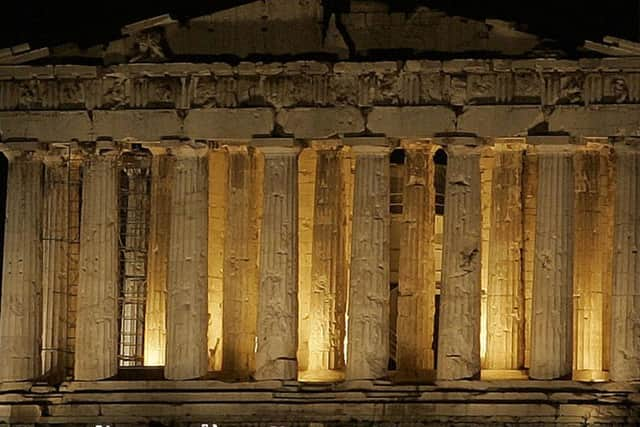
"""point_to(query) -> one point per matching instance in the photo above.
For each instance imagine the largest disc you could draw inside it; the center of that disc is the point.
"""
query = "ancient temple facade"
(310, 242)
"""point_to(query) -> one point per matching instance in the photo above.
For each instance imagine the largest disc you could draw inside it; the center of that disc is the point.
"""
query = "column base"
(279, 369)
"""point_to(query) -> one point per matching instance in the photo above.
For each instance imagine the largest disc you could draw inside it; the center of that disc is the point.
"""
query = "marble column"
(417, 282)
(155, 334)
(240, 288)
(625, 299)
(459, 323)
(592, 267)
(368, 332)
(277, 329)
(529, 190)
(328, 273)
(55, 257)
(187, 283)
(20, 313)
(505, 290)
(551, 333)
(96, 352)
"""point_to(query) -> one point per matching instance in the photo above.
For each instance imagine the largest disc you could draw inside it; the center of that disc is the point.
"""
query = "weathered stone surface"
(411, 122)
(592, 266)
(46, 125)
(328, 297)
(218, 187)
(529, 191)
(505, 296)
(625, 298)
(228, 123)
(320, 122)
(98, 291)
(596, 120)
(240, 284)
(368, 333)
(155, 335)
(55, 257)
(143, 125)
(21, 311)
(499, 120)
(187, 284)
(459, 333)
(277, 333)
(551, 334)
(417, 284)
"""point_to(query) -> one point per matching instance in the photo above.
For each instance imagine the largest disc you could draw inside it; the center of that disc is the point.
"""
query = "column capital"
(627, 144)
(326, 144)
(459, 141)
(30, 149)
(416, 144)
(188, 150)
(369, 145)
(276, 146)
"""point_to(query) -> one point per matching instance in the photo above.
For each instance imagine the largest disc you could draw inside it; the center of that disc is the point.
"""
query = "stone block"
(499, 121)
(46, 126)
(411, 121)
(147, 125)
(228, 123)
(609, 120)
(320, 122)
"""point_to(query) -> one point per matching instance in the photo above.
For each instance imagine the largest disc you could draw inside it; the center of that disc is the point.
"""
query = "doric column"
(368, 333)
(459, 323)
(328, 275)
(187, 284)
(529, 190)
(625, 299)
(505, 290)
(417, 284)
(240, 287)
(592, 267)
(21, 311)
(277, 329)
(96, 353)
(551, 334)
(155, 334)
(55, 256)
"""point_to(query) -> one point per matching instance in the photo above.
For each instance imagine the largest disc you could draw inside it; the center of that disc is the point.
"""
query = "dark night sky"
(95, 21)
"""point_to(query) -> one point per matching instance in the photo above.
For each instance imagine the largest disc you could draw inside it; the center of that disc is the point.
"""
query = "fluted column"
(240, 288)
(505, 290)
(98, 290)
(417, 285)
(368, 333)
(277, 329)
(155, 334)
(55, 256)
(592, 267)
(21, 314)
(625, 299)
(459, 323)
(328, 275)
(551, 334)
(187, 283)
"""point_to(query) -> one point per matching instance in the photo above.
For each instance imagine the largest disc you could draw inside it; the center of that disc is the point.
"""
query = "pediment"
(305, 29)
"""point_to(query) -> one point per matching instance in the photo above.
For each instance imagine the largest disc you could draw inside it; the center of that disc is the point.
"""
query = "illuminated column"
(625, 299)
(240, 288)
(592, 267)
(155, 334)
(55, 256)
(187, 284)
(417, 285)
(459, 324)
(97, 304)
(21, 311)
(328, 273)
(368, 333)
(278, 289)
(551, 333)
(529, 190)
(505, 298)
